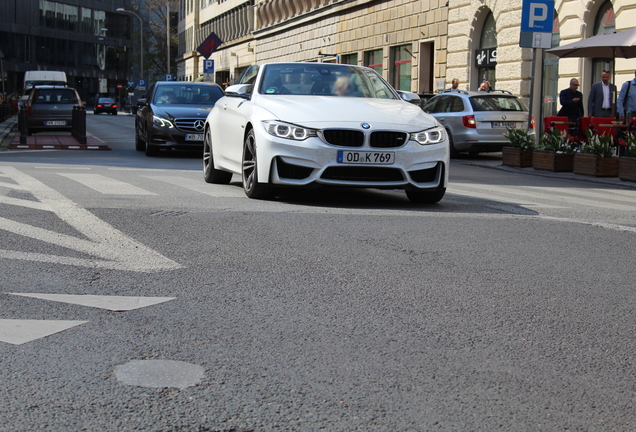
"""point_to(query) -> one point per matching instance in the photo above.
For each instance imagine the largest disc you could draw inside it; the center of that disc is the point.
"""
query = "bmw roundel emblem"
(365, 125)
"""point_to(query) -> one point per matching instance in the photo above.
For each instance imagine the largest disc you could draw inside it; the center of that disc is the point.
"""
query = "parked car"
(106, 105)
(50, 108)
(172, 115)
(425, 97)
(476, 121)
(301, 124)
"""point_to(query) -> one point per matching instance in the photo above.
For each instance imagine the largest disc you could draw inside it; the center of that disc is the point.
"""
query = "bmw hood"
(329, 111)
(181, 111)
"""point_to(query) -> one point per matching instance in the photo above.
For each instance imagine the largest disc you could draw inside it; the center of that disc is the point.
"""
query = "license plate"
(56, 123)
(194, 137)
(503, 124)
(371, 158)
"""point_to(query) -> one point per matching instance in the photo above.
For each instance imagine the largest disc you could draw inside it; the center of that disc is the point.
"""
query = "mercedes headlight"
(434, 135)
(287, 130)
(162, 122)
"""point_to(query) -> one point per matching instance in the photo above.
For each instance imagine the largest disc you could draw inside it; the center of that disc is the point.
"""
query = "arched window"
(604, 23)
(486, 57)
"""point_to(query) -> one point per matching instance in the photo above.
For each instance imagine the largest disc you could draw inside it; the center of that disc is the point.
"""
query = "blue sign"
(537, 16)
(208, 66)
(131, 83)
(141, 85)
(168, 77)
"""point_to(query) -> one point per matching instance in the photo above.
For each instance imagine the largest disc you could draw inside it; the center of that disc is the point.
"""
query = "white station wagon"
(302, 124)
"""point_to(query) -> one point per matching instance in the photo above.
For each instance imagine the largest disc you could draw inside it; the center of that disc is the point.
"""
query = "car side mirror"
(239, 90)
(142, 102)
(409, 97)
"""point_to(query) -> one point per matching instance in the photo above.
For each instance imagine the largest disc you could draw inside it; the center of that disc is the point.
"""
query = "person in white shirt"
(599, 102)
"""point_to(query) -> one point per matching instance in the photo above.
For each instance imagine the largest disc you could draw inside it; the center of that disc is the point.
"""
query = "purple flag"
(209, 45)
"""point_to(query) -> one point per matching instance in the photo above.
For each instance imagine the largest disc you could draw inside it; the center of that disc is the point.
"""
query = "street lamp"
(141, 39)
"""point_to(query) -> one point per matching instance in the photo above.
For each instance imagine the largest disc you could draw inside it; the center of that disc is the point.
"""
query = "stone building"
(417, 45)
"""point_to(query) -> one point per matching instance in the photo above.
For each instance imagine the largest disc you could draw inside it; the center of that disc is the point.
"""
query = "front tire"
(150, 150)
(425, 197)
(140, 145)
(211, 174)
(251, 186)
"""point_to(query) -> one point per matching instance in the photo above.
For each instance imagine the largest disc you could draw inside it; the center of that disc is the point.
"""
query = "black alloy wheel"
(251, 186)
(211, 174)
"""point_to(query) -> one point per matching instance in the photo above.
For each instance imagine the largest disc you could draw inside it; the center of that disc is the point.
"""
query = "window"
(351, 59)
(401, 74)
(374, 60)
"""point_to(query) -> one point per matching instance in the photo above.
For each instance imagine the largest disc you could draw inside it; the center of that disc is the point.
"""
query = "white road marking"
(113, 303)
(17, 332)
(550, 194)
(106, 247)
(106, 185)
(219, 191)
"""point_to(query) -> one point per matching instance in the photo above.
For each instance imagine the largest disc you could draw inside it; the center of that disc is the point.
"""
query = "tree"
(154, 14)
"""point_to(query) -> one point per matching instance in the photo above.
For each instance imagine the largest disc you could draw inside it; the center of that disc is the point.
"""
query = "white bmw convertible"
(301, 124)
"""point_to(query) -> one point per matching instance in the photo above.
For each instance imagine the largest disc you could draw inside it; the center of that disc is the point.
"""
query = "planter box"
(552, 161)
(515, 157)
(627, 168)
(592, 165)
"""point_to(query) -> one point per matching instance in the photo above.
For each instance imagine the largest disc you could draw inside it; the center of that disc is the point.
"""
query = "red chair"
(555, 122)
(595, 126)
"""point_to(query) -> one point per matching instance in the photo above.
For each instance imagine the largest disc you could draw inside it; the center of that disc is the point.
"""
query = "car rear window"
(496, 103)
(51, 96)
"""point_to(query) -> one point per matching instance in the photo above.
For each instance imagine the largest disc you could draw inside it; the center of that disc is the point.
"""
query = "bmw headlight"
(287, 130)
(434, 135)
(162, 122)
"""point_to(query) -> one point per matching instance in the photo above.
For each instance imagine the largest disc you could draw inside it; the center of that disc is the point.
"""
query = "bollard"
(23, 123)
(78, 129)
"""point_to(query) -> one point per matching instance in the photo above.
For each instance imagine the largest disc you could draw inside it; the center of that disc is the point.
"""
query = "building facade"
(86, 39)
(417, 45)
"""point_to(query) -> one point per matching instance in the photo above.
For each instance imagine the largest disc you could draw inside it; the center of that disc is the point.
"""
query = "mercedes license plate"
(504, 124)
(194, 137)
(370, 158)
(56, 123)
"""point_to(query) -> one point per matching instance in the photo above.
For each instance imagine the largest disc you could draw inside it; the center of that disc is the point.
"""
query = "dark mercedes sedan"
(172, 116)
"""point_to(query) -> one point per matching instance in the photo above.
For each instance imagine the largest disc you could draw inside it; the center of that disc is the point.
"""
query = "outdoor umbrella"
(620, 44)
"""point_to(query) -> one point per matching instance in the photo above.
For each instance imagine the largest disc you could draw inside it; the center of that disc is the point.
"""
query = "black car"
(172, 115)
(106, 105)
(50, 108)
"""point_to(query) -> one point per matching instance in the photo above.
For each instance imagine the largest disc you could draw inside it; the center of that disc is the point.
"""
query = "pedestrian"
(599, 103)
(485, 86)
(454, 84)
(627, 98)
(571, 102)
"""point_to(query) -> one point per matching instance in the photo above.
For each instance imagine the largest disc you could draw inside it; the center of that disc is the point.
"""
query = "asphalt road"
(137, 297)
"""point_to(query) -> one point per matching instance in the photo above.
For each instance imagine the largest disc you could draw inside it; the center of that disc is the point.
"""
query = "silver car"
(476, 121)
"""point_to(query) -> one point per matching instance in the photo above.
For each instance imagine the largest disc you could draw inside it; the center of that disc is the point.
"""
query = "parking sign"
(208, 66)
(537, 16)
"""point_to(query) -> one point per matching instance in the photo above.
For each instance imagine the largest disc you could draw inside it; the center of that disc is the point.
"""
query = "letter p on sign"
(537, 16)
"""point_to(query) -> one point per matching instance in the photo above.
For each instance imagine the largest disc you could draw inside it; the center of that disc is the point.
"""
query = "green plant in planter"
(630, 140)
(599, 145)
(520, 138)
(556, 141)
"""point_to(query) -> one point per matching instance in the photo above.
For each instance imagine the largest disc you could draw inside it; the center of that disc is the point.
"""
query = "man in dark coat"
(571, 102)
(599, 103)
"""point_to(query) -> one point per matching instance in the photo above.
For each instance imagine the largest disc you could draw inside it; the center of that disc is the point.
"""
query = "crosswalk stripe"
(106, 185)
(218, 191)
(552, 194)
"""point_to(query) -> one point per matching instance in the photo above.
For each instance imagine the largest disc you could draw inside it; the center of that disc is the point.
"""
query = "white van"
(44, 77)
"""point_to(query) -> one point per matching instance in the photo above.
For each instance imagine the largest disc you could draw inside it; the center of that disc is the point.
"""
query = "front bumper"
(300, 163)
